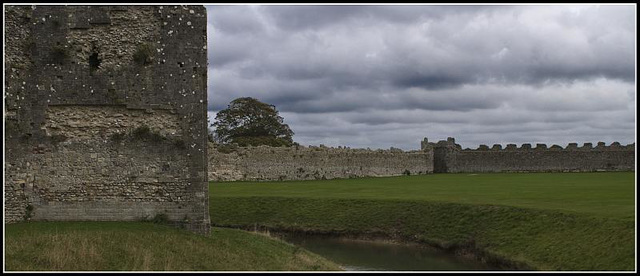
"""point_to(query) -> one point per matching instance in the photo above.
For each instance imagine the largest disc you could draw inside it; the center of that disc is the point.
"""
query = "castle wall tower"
(105, 114)
(444, 155)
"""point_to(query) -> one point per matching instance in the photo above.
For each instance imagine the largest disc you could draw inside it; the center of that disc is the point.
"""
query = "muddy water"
(381, 256)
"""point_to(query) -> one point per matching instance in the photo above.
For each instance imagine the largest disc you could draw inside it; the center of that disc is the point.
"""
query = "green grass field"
(545, 221)
(127, 246)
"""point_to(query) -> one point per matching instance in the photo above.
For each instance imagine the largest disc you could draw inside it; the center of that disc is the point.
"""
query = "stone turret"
(444, 154)
(424, 144)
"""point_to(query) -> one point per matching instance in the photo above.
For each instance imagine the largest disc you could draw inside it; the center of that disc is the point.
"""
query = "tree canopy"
(248, 121)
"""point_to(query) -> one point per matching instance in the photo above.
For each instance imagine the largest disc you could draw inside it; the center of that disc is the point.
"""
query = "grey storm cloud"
(381, 76)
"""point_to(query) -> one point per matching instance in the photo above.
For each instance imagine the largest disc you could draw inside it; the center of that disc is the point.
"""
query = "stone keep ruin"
(105, 114)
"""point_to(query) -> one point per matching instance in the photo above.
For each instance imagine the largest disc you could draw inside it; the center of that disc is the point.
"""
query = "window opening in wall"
(94, 62)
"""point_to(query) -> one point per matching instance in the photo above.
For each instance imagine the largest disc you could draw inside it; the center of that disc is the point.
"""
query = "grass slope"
(124, 246)
(608, 194)
(547, 221)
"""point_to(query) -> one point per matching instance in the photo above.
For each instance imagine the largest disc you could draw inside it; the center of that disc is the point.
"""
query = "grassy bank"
(125, 246)
(546, 221)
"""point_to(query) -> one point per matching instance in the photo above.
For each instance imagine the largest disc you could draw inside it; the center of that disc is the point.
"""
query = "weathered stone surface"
(71, 121)
(448, 158)
(306, 163)
(105, 113)
(302, 163)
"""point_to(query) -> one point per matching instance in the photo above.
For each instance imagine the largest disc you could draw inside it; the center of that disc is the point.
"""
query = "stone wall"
(105, 114)
(450, 157)
(307, 163)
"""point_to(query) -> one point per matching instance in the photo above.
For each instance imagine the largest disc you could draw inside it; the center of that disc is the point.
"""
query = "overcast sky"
(387, 76)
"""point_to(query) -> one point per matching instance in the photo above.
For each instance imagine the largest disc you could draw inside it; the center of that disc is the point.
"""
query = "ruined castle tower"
(105, 114)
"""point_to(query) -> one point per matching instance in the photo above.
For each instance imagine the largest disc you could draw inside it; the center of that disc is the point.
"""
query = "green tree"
(248, 121)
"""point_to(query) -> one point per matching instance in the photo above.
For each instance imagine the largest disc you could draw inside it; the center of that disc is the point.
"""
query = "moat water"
(381, 256)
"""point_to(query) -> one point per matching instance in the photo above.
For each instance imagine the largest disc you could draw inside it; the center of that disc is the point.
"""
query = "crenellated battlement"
(527, 147)
(450, 157)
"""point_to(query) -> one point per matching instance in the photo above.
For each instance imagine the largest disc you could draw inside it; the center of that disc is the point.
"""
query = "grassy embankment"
(542, 221)
(124, 246)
